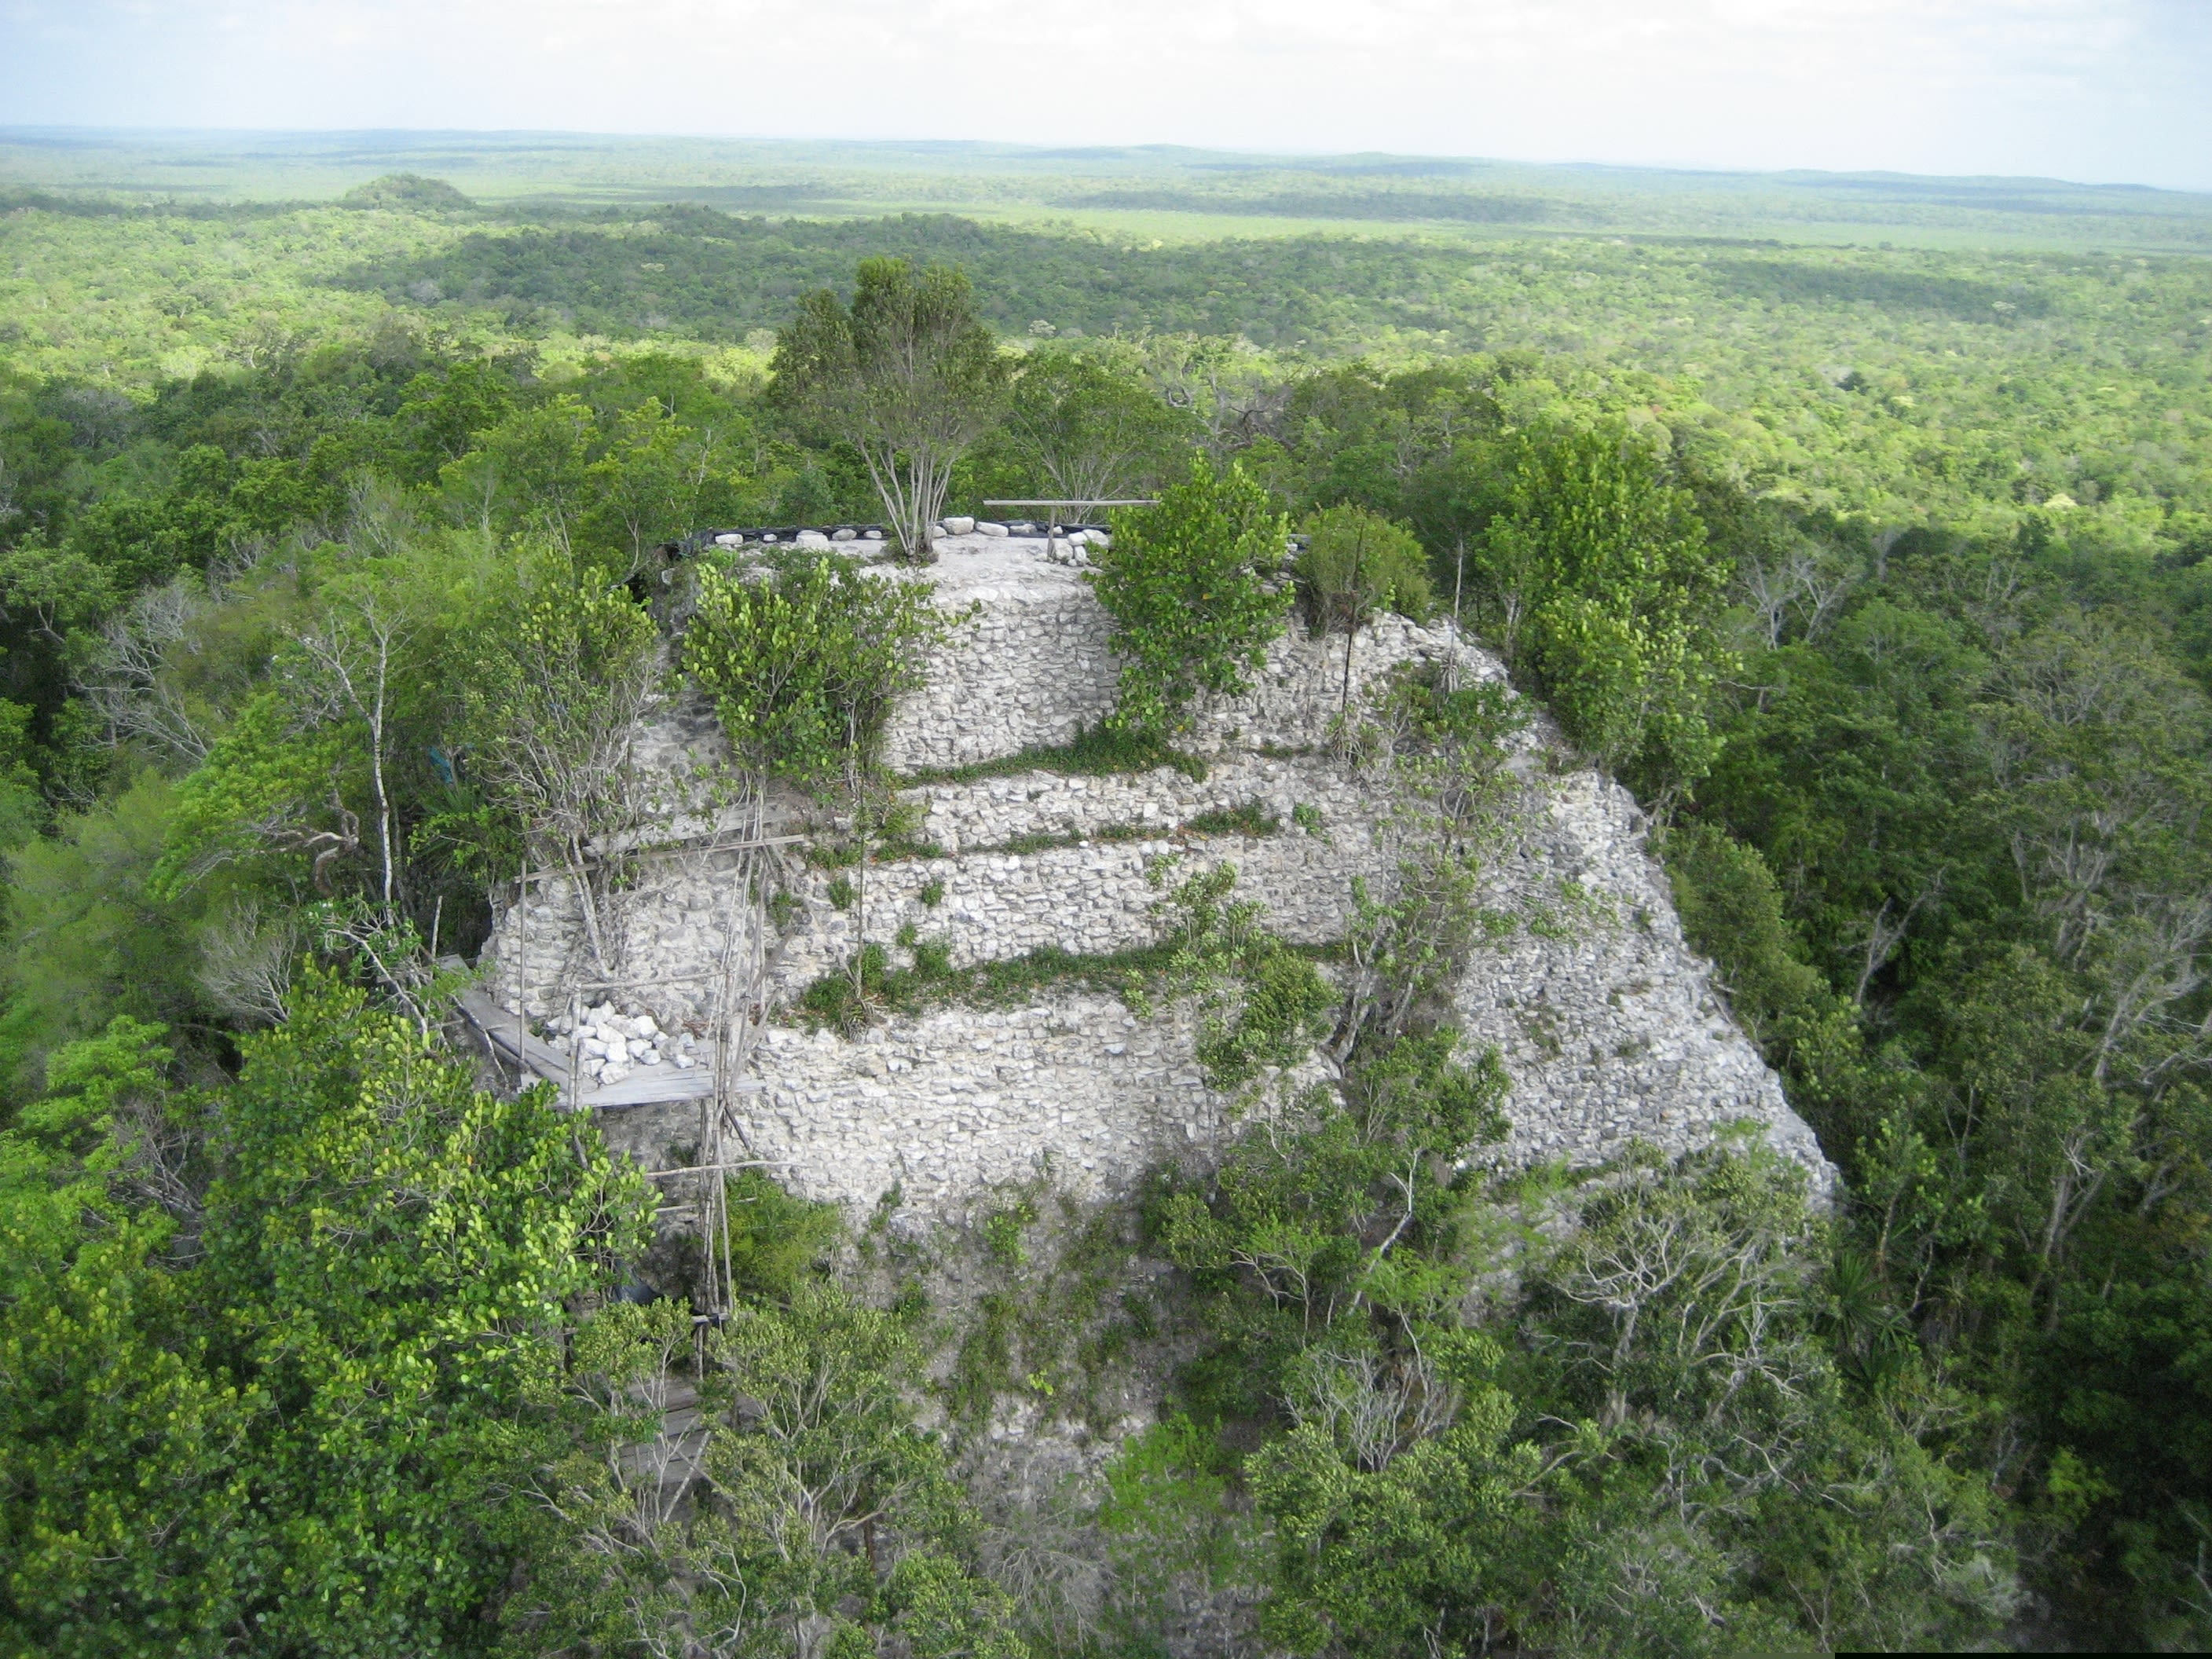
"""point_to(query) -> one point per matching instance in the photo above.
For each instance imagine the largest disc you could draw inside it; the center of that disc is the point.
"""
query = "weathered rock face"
(1074, 1088)
(1035, 666)
(1608, 1026)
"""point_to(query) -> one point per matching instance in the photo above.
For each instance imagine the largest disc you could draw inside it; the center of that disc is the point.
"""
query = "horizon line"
(1074, 151)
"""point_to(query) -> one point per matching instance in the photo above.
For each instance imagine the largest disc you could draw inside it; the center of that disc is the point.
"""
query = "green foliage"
(847, 1003)
(1422, 1495)
(1083, 428)
(1459, 809)
(1246, 818)
(1944, 834)
(1433, 1493)
(1002, 1233)
(1601, 583)
(1924, 776)
(22, 810)
(407, 191)
(443, 413)
(262, 770)
(115, 1432)
(804, 663)
(2120, 1386)
(1290, 1217)
(1731, 909)
(848, 1000)
(812, 1476)
(1185, 584)
(337, 1316)
(559, 668)
(1356, 562)
(91, 934)
(465, 1223)
(1421, 1556)
(778, 1244)
(1261, 1004)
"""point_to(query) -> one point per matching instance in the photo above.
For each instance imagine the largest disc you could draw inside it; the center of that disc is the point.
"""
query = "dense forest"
(1897, 564)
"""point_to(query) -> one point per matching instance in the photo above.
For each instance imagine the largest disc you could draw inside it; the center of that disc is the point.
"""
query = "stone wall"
(949, 1105)
(1029, 670)
(1609, 1026)
(993, 812)
(992, 902)
(1298, 695)
(1096, 896)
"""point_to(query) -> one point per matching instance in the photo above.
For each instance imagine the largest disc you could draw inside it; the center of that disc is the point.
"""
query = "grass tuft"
(1095, 752)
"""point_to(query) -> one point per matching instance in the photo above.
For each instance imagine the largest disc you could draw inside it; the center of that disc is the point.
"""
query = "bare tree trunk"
(1351, 621)
(1884, 936)
(340, 663)
(376, 766)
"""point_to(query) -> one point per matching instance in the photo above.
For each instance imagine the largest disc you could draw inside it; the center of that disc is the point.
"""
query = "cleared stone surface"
(1608, 1025)
(989, 813)
(1090, 900)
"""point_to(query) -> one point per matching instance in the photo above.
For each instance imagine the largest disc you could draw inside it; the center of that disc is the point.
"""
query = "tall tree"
(552, 706)
(908, 374)
(278, 1350)
(1091, 432)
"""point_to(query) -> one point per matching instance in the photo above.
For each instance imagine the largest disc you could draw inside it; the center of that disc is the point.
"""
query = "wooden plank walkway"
(660, 1086)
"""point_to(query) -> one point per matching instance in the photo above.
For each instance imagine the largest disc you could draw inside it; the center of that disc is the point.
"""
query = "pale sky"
(2097, 90)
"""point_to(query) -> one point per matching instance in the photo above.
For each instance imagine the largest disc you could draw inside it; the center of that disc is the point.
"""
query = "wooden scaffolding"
(740, 861)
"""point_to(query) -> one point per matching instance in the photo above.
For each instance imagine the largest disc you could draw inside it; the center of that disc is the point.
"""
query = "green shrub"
(805, 662)
(1732, 910)
(1186, 583)
(1600, 583)
(778, 1243)
(833, 853)
(1002, 1234)
(1356, 562)
(842, 1000)
(1282, 1009)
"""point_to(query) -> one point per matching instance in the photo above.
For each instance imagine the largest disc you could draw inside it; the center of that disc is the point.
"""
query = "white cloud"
(2097, 88)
